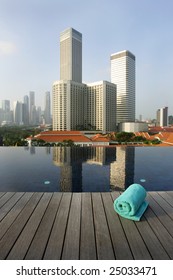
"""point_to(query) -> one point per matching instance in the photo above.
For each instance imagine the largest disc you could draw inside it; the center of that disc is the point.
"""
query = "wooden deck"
(83, 226)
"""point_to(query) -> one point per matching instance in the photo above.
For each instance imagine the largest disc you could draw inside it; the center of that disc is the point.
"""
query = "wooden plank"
(72, 237)
(10, 204)
(160, 213)
(136, 243)
(160, 231)
(120, 244)
(87, 240)
(103, 239)
(23, 242)
(14, 231)
(167, 197)
(154, 246)
(12, 215)
(1, 194)
(39, 242)
(5, 198)
(170, 193)
(56, 240)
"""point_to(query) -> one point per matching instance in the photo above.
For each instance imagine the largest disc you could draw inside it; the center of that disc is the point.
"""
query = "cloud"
(7, 48)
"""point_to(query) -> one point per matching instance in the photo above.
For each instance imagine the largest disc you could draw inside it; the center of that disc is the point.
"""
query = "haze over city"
(29, 45)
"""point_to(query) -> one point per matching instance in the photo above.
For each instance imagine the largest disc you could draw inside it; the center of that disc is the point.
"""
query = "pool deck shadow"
(54, 226)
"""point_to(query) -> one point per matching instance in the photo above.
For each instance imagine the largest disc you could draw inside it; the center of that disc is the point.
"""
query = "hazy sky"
(29, 45)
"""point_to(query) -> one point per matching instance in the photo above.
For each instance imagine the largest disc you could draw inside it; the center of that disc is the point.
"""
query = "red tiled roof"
(100, 138)
(60, 136)
(166, 137)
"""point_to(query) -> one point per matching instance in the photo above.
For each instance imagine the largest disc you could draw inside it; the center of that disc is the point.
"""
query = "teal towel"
(131, 203)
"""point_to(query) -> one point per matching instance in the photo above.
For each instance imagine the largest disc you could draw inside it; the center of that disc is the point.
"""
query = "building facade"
(78, 106)
(101, 106)
(68, 105)
(71, 55)
(123, 75)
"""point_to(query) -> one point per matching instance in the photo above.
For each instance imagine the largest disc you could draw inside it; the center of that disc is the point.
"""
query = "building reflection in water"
(71, 163)
(122, 170)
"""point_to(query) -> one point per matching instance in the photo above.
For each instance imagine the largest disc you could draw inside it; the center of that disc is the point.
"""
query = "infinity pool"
(85, 169)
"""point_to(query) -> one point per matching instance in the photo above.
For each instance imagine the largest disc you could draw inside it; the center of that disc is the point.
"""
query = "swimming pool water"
(90, 169)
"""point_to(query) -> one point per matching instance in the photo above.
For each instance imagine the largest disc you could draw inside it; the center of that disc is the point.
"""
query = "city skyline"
(29, 48)
(77, 105)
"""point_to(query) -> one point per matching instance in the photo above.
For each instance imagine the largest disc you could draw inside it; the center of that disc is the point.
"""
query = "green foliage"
(15, 136)
(155, 141)
(139, 139)
(124, 136)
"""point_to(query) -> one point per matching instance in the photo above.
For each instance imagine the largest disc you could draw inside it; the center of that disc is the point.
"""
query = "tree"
(124, 136)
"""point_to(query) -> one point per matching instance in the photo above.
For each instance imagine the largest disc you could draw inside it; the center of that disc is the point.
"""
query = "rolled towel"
(131, 203)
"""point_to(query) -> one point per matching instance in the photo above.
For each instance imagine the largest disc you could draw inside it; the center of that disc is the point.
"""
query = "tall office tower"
(123, 75)
(101, 97)
(26, 110)
(68, 104)
(71, 55)
(47, 108)
(5, 111)
(5, 105)
(162, 116)
(38, 115)
(32, 108)
(18, 113)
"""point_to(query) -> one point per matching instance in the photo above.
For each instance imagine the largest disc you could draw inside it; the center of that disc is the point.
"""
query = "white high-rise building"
(68, 105)
(71, 55)
(162, 116)
(101, 106)
(123, 75)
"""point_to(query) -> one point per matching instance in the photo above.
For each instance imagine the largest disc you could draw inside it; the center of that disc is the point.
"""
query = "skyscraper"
(47, 108)
(18, 113)
(32, 108)
(123, 75)
(26, 110)
(71, 55)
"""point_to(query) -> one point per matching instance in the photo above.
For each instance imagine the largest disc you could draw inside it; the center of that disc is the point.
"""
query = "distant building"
(18, 113)
(5, 112)
(162, 117)
(71, 55)
(47, 108)
(123, 75)
(32, 108)
(26, 110)
(133, 126)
